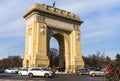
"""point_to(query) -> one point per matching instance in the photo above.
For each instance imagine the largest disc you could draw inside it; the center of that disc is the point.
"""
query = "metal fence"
(114, 72)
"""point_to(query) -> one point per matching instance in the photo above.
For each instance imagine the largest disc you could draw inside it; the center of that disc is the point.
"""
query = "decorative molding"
(78, 36)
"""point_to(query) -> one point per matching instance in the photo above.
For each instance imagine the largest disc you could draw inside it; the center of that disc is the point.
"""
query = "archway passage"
(53, 53)
(61, 56)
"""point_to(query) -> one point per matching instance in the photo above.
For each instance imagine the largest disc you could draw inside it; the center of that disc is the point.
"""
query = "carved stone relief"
(76, 27)
(40, 18)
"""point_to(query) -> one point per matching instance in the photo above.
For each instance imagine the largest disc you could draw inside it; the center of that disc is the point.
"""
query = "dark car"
(61, 69)
(2, 70)
(82, 71)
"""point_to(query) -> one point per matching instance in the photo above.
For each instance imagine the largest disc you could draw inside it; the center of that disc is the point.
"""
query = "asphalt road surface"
(57, 77)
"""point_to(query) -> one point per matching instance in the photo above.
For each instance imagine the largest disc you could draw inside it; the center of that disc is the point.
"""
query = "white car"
(38, 71)
(23, 71)
(11, 70)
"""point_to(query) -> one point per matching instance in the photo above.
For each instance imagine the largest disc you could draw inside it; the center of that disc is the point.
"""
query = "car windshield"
(91, 68)
(10, 68)
(97, 69)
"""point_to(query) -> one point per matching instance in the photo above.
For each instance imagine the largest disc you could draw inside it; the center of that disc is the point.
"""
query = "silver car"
(82, 71)
(97, 72)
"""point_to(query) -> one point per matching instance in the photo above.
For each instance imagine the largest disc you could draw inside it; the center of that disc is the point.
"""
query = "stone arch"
(42, 22)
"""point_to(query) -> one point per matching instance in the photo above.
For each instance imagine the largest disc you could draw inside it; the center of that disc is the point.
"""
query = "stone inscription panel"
(59, 24)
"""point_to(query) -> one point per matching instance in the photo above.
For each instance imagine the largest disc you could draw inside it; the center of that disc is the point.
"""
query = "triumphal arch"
(44, 22)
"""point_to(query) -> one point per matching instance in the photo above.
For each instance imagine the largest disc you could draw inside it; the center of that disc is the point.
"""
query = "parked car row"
(44, 72)
(31, 72)
(91, 71)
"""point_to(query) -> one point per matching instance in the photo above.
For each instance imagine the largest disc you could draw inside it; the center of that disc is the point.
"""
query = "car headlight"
(51, 72)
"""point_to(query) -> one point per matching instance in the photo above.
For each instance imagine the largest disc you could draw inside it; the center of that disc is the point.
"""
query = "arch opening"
(57, 52)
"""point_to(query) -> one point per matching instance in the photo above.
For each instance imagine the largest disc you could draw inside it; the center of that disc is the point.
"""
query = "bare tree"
(11, 61)
(96, 60)
(54, 57)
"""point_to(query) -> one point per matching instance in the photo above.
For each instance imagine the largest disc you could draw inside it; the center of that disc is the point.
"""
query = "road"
(57, 77)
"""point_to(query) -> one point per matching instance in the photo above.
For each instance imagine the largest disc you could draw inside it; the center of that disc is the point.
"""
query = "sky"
(99, 32)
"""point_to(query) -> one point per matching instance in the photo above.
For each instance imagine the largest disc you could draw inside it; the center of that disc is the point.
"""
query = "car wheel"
(30, 75)
(46, 75)
(108, 75)
(20, 74)
(93, 74)
(79, 73)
